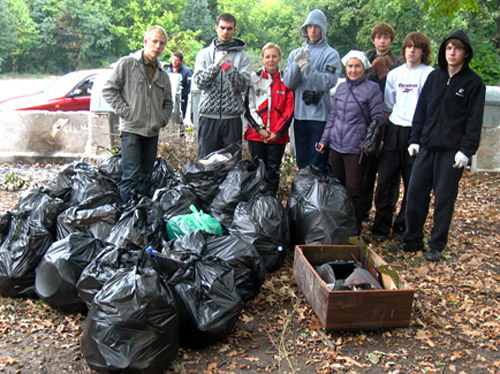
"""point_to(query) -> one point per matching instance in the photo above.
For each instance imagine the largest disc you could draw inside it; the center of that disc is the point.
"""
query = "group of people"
(432, 118)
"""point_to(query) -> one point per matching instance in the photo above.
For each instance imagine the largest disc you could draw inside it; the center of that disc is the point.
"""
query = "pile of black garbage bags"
(148, 290)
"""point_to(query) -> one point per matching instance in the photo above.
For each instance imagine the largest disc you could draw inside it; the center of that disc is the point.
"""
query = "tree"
(7, 29)
(196, 17)
(20, 33)
(186, 42)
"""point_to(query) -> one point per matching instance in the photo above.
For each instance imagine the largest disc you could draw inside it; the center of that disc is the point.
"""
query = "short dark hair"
(226, 17)
(179, 55)
(418, 39)
(383, 29)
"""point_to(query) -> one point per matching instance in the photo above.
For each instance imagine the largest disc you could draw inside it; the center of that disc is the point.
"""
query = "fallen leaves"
(455, 325)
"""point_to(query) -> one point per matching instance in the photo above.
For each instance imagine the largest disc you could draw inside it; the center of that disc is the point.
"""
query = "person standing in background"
(311, 72)
(177, 66)
(139, 92)
(382, 60)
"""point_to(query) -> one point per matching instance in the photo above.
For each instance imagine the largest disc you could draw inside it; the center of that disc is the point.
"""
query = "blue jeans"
(307, 134)
(138, 157)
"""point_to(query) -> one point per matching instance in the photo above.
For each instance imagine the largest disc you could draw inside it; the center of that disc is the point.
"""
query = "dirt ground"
(454, 328)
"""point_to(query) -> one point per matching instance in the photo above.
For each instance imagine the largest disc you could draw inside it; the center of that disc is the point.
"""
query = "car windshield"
(63, 85)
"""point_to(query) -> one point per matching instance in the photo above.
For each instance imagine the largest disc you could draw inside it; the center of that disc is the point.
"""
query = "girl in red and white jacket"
(269, 114)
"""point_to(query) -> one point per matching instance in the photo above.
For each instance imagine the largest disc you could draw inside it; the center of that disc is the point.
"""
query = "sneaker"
(433, 255)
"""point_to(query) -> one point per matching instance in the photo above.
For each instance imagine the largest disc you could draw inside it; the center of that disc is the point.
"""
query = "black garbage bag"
(85, 181)
(5, 219)
(111, 166)
(303, 180)
(263, 222)
(20, 254)
(132, 325)
(175, 201)
(96, 215)
(106, 264)
(204, 176)
(323, 215)
(68, 171)
(208, 302)
(42, 206)
(241, 184)
(61, 267)
(140, 223)
(163, 176)
(249, 271)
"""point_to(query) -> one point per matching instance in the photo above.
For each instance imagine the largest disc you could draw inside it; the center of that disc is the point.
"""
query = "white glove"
(461, 160)
(222, 58)
(302, 58)
(413, 149)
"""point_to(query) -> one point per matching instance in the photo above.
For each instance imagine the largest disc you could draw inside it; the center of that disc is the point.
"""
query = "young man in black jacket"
(445, 134)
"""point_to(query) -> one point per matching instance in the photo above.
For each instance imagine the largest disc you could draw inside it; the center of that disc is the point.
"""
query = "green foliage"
(56, 36)
(185, 42)
(486, 62)
(18, 32)
(447, 8)
(196, 17)
(7, 29)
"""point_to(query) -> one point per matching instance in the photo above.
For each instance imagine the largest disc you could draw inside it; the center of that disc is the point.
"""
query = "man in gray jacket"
(222, 73)
(311, 72)
(139, 92)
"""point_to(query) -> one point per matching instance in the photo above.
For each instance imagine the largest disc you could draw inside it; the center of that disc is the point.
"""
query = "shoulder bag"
(374, 140)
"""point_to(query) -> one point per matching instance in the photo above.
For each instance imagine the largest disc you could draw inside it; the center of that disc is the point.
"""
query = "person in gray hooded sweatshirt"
(311, 72)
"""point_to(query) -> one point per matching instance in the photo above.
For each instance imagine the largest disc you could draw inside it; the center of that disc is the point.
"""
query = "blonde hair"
(155, 30)
(270, 46)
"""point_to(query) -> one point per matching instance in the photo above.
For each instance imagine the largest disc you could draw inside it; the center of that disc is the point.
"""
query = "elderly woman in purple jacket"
(357, 102)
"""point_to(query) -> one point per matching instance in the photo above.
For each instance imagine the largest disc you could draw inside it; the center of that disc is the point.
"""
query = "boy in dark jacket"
(445, 134)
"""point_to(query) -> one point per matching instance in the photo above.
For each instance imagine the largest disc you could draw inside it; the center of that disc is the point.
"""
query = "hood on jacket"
(315, 17)
(234, 45)
(458, 34)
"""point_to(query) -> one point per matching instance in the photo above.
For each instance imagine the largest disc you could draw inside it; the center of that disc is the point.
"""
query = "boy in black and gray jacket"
(445, 134)
(222, 72)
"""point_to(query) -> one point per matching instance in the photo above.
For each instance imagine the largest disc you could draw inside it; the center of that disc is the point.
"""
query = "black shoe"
(405, 247)
(399, 236)
(376, 238)
(395, 247)
(433, 255)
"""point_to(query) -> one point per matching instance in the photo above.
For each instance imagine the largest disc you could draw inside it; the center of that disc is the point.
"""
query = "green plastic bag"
(181, 225)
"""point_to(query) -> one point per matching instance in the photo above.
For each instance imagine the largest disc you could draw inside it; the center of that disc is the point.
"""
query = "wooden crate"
(371, 309)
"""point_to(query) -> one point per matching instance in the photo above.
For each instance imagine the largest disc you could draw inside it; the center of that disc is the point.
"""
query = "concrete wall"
(40, 136)
(34, 136)
(487, 158)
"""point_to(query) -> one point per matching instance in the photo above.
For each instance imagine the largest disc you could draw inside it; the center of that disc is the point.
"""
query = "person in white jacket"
(402, 89)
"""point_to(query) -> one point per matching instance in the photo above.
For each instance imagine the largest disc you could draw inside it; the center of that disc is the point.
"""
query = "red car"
(70, 92)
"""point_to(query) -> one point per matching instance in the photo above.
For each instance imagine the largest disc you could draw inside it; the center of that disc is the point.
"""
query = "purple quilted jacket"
(346, 126)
